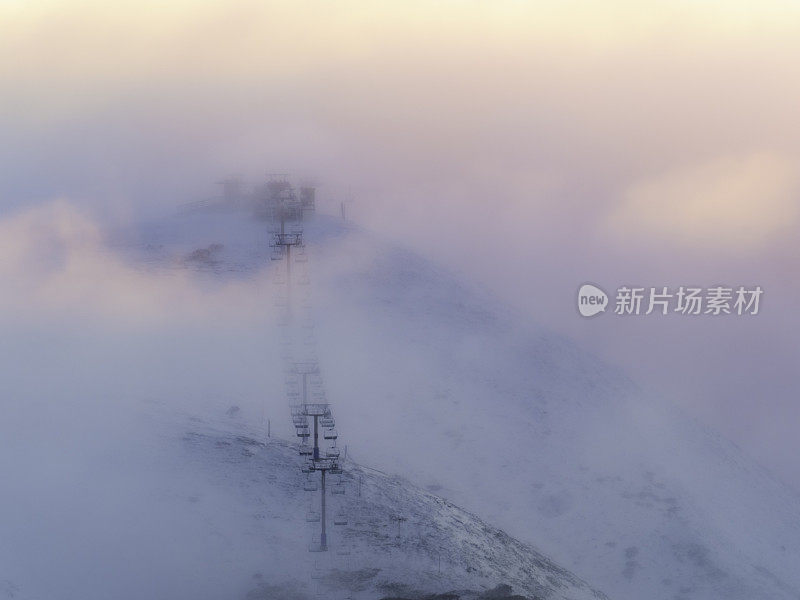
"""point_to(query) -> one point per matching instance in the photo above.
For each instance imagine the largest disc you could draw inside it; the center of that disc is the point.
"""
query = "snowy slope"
(213, 510)
(437, 547)
(436, 382)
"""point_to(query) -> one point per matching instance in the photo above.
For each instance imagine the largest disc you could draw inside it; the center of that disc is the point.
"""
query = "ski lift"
(335, 470)
(277, 253)
(310, 485)
(330, 434)
(312, 516)
(332, 452)
(338, 489)
(303, 432)
(340, 518)
(306, 450)
(307, 468)
(327, 422)
(343, 550)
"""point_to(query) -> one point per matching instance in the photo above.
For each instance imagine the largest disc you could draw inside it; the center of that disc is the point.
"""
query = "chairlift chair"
(330, 434)
(340, 518)
(310, 485)
(312, 516)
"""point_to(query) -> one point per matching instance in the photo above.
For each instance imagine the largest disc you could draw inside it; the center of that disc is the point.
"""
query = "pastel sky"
(530, 145)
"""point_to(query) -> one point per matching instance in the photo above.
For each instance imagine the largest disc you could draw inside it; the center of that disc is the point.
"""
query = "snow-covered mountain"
(521, 426)
(394, 540)
(223, 515)
(135, 462)
(434, 381)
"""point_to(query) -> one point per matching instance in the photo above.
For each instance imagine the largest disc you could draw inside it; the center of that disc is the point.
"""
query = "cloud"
(731, 203)
(55, 259)
(496, 137)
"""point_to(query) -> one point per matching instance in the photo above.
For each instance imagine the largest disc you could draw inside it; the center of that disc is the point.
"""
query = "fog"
(529, 147)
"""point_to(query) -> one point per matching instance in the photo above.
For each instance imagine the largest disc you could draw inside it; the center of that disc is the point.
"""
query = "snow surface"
(223, 516)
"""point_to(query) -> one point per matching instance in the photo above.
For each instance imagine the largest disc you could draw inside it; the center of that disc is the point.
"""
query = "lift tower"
(324, 464)
(286, 240)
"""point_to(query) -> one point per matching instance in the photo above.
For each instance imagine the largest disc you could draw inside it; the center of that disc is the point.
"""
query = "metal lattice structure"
(311, 419)
(311, 413)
